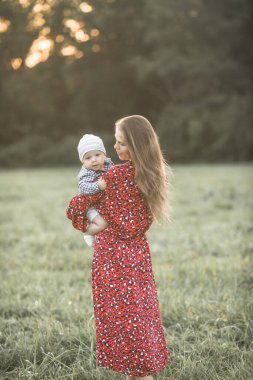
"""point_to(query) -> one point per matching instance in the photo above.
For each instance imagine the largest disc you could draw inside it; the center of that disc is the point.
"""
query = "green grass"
(202, 264)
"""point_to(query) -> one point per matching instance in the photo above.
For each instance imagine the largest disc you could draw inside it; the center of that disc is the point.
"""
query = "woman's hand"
(102, 184)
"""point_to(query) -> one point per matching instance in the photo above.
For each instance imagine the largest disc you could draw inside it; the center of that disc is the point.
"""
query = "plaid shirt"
(87, 178)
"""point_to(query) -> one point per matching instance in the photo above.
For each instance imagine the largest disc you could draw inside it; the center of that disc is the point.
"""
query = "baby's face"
(94, 160)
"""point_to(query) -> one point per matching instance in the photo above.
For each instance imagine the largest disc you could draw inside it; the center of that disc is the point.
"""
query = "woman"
(129, 332)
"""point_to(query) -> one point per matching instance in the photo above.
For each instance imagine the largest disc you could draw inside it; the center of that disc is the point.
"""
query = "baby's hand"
(102, 184)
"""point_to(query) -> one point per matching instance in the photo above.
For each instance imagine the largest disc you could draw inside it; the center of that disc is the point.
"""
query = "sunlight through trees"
(71, 66)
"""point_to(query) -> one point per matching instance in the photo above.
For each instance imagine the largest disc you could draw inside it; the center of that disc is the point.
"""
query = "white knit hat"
(88, 143)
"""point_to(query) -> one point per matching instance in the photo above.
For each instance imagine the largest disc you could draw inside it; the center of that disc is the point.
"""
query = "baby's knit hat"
(88, 143)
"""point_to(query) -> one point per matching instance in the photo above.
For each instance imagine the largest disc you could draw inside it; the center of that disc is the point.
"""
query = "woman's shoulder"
(121, 168)
(119, 171)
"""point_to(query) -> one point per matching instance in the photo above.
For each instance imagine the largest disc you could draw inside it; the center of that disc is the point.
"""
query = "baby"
(92, 154)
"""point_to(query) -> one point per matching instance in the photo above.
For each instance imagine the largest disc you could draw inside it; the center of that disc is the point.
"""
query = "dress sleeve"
(77, 209)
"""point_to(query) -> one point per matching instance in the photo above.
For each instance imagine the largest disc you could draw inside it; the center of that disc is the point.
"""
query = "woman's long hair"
(152, 173)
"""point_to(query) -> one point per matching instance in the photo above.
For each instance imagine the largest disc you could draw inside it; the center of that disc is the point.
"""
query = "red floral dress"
(129, 332)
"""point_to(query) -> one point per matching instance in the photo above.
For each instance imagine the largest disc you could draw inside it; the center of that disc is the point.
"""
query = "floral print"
(129, 331)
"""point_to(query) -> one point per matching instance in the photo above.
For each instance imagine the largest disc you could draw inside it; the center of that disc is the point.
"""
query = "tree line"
(70, 67)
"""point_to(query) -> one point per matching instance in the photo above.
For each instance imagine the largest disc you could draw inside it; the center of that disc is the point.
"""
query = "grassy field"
(202, 264)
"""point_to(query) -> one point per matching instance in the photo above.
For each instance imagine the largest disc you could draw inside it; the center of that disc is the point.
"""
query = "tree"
(71, 67)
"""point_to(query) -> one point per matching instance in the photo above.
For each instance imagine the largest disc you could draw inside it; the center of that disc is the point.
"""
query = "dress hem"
(133, 374)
